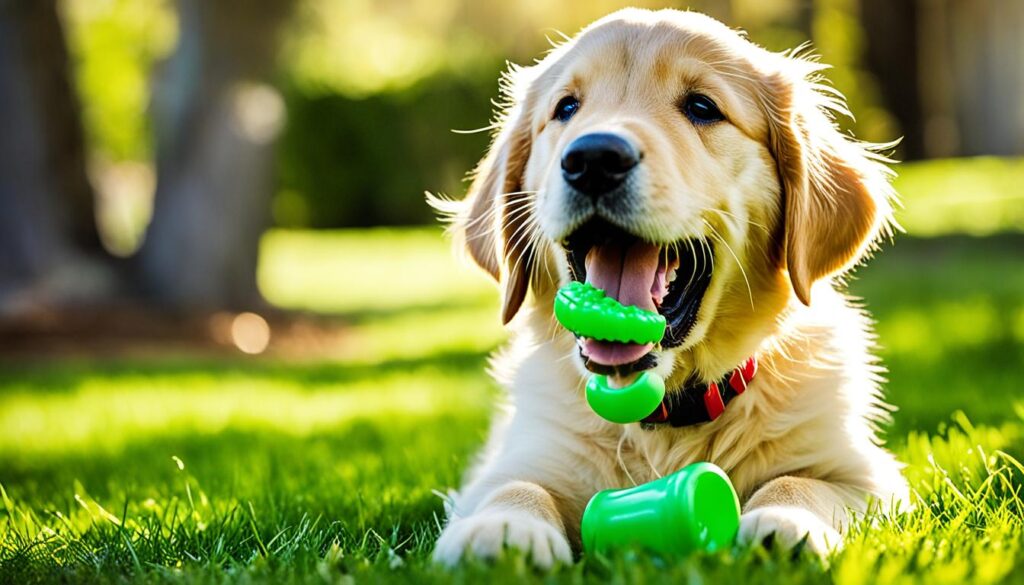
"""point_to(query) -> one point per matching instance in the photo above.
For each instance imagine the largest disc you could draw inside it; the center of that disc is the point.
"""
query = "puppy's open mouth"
(668, 278)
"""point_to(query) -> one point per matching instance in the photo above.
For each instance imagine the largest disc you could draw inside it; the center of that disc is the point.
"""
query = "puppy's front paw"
(485, 535)
(788, 526)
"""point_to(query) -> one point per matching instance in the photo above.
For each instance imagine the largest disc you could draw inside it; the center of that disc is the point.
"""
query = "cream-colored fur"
(787, 202)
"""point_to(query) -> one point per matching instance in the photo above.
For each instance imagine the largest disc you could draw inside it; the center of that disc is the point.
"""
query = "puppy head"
(668, 160)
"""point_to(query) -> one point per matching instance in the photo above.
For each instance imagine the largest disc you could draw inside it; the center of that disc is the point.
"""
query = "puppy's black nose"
(597, 163)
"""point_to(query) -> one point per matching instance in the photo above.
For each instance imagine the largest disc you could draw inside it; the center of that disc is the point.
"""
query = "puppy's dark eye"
(566, 108)
(701, 110)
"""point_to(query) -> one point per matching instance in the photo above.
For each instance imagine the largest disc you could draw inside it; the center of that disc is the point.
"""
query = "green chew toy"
(695, 508)
(628, 404)
(587, 312)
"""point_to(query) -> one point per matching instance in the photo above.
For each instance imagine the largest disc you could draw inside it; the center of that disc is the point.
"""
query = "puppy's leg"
(794, 508)
(516, 514)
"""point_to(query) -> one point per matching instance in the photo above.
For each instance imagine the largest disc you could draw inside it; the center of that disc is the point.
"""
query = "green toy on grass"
(695, 508)
(588, 312)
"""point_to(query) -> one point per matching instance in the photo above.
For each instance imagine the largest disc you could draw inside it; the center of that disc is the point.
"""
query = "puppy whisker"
(718, 236)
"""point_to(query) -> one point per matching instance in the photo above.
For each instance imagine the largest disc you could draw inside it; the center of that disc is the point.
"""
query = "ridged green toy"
(588, 312)
(695, 508)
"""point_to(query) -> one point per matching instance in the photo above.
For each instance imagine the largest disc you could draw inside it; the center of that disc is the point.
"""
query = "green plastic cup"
(695, 508)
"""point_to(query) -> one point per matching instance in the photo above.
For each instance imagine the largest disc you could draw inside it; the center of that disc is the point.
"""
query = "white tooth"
(671, 275)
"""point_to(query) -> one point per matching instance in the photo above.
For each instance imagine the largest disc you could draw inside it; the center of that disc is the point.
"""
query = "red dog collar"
(701, 403)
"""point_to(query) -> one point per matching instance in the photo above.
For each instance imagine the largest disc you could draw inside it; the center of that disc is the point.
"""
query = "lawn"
(326, 468)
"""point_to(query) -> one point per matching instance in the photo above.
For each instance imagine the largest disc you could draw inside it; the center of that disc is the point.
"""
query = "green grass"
(977, 196)
(208, 470)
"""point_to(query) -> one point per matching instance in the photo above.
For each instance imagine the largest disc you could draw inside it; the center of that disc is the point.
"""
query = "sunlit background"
(234, 342)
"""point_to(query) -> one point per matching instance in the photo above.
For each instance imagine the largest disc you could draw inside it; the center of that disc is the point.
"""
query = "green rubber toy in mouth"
(588, 312)
(628, 404)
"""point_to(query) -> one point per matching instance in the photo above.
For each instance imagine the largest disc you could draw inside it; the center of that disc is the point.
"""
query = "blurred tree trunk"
(804, 17)
(47, 225)
(892, 56)
(984, 52)
(216, 118)
(952, 72)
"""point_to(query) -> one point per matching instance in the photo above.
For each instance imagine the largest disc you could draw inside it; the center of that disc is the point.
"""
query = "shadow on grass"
(367, 472)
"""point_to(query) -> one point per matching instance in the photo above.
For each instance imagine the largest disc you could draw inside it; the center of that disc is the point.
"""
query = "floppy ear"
(836, 191)
(493, 220)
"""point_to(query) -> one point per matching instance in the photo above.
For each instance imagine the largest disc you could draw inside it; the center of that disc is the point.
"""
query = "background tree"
(216, 118)
(48, 235)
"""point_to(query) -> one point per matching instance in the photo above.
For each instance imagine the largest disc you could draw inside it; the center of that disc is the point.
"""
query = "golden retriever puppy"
(673, 163)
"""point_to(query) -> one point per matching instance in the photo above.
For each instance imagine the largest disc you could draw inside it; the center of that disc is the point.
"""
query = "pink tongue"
(627, 275)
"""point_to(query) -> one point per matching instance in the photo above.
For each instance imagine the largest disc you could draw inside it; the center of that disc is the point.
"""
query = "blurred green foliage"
(978, 196)
(375, 89)
(364, 161)
(114, 44)
(839, 39)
